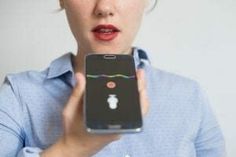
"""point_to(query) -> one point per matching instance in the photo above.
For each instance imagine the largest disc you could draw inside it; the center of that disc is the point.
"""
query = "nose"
(104, 8)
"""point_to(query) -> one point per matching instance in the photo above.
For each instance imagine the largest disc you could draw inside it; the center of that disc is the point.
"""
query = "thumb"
(76, 96)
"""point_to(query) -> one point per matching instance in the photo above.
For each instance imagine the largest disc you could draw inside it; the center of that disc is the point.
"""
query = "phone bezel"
(98, 130)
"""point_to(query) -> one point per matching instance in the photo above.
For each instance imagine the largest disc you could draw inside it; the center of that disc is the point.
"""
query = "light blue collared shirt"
(180, 122)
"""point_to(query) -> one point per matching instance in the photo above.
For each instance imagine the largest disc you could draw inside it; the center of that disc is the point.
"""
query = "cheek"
(134, 15)
(77, 11)
(134, 10)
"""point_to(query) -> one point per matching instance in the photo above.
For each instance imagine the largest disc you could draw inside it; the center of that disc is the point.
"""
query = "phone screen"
(112, 96)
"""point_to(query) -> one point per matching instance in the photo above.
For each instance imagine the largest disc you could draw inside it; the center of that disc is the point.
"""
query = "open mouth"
(105, 32)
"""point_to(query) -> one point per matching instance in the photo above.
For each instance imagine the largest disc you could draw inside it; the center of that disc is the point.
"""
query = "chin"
(110, 50)
(107, 50)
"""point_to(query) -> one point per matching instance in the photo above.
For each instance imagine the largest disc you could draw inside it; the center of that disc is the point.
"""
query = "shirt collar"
(141, 58)
(60, 66)
(63, 64)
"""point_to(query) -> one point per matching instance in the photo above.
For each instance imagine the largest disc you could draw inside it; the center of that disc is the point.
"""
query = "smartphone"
(111, 103)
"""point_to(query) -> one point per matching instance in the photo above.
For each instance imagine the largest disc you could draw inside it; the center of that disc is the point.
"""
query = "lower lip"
(105, 36)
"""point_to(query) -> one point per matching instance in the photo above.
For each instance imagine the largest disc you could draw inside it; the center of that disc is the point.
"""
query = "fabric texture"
(180, 122)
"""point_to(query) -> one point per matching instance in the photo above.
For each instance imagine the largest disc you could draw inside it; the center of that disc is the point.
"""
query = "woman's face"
(104, 26)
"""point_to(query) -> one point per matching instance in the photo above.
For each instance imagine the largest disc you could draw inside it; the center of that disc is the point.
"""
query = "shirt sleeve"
(209, 141)
(12, 135)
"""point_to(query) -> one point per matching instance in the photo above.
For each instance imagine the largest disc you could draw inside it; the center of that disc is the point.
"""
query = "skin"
(83, 16)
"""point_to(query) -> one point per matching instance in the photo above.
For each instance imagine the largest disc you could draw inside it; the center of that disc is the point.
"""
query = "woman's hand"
(76, 141)
(142, 88)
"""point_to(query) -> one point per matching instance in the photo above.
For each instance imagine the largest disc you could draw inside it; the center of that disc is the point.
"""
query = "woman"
(41, 115)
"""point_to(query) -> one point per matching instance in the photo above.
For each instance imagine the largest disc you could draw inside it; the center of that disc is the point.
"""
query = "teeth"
(105, 30)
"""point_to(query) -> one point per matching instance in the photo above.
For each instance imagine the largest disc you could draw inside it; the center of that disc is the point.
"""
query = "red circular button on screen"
(111, 84)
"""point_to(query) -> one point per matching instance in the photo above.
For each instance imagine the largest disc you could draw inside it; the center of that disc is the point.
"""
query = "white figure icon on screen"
(112, 101)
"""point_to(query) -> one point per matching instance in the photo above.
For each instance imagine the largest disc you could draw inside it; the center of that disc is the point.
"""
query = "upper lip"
(105, 26)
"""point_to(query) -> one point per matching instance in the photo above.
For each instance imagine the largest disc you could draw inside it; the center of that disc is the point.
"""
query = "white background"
(194, 38)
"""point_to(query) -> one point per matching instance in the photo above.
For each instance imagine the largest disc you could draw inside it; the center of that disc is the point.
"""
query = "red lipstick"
(105, 32)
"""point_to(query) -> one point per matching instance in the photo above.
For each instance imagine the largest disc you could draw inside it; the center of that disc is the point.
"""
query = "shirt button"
(127, 155)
